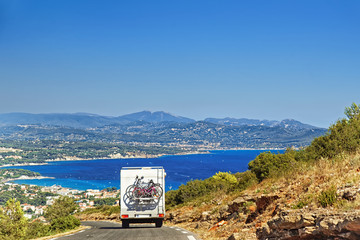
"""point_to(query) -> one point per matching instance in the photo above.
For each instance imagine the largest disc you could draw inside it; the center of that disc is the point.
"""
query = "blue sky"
(254, 59)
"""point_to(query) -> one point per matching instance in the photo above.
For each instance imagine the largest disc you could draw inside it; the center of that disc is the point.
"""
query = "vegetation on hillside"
(14, 226)
(341, 139)
(222, 181)
(16, 173)
(15, 152)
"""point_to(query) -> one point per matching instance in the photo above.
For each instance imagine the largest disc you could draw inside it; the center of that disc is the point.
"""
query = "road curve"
(111, 231)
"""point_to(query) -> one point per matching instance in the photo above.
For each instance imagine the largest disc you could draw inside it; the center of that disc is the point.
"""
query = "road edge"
(81, 228)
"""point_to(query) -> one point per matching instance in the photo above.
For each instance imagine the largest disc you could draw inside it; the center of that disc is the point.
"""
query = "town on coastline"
(35, 199)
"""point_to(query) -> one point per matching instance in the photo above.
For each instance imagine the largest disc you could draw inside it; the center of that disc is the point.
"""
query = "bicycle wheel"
(138, 193)
(129, 192)
(157, 191)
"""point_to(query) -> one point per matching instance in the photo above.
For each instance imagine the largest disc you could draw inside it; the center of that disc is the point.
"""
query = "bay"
(100, 174)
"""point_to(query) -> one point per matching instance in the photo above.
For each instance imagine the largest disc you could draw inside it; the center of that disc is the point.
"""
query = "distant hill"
(86, 120)
(159, 128)
(152, 117)
(241, 122)
(75, 120)
(287, 123)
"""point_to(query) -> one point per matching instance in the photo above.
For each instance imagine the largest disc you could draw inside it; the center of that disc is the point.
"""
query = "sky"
(256, 59)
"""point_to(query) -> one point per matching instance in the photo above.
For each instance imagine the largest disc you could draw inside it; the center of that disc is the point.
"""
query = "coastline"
(25, 178)
(139, 156)
(108, 158)
(22, 164)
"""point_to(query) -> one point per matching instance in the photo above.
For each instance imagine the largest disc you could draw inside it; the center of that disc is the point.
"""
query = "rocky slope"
(286, 208)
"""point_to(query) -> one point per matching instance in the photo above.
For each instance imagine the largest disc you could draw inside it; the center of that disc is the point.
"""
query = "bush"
(328, 197)
(225, 176)
(221, 181)
(268, 164)
(37, 229)
(64, 223)
(105, 201)
(245, 180)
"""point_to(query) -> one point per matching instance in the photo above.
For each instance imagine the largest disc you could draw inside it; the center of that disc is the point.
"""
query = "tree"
(60, 214)
(352, 111)
(13, 224)
(343, 136)
(62, 207)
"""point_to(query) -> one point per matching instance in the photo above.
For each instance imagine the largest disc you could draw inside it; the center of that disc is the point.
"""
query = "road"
(110, 231)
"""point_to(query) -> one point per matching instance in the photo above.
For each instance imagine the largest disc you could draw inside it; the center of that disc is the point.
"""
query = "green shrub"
(225, 176)
(328, 197)
(38, 229)
(268, 164)
(64, 223)
(105, 201)
(221, 181)
(245, 180)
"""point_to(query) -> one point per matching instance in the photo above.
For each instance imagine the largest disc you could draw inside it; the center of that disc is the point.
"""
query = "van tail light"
(124, 216)
(161, 215)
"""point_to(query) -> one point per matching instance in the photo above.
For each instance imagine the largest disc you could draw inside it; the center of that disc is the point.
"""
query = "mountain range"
(86, 120)
(159, 128)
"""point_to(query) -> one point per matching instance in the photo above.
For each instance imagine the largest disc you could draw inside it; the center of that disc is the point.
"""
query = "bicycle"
(145, 191)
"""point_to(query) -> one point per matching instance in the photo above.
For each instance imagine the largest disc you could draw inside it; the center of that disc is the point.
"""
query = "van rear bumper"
(142, 220)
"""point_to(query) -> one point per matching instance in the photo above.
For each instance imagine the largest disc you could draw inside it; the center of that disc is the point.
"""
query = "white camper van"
(142, 195)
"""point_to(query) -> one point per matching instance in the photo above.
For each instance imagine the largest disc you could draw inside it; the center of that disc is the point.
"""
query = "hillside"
(313, 193)
(281, 208)
(158, 128)
(28, 152)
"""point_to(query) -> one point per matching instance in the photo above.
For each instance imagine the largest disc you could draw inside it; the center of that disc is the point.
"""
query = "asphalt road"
(110, 231)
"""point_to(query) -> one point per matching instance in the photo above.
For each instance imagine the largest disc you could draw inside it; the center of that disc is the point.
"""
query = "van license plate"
(142, 215)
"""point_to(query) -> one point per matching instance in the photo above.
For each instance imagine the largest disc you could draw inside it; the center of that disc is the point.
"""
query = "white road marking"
(191, 237)
(184, 232)
(69, 234)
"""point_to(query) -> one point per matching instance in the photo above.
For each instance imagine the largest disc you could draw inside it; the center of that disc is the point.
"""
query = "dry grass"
(308, 180)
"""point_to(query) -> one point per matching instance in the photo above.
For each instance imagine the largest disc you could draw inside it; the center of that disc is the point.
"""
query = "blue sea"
(100, 174)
